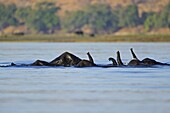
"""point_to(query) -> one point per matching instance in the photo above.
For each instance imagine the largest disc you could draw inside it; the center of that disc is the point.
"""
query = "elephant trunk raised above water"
(145, 62)
(68, 59)
(86, 63)
(135, 62)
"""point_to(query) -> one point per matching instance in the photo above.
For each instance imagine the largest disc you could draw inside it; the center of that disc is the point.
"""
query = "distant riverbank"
(85, 38)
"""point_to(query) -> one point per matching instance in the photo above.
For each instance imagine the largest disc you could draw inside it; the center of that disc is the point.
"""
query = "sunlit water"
(83, 90)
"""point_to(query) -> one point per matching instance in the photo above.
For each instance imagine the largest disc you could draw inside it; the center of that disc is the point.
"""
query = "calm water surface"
(83, 90)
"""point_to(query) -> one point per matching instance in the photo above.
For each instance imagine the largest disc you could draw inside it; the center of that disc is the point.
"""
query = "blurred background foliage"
(98, 18)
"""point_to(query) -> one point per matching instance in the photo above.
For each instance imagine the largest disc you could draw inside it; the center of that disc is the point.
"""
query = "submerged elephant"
(135, 62)
(145, 62)
(66, 59)
(87, 63)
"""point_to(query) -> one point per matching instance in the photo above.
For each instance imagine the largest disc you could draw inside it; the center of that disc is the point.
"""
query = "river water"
(83, 90)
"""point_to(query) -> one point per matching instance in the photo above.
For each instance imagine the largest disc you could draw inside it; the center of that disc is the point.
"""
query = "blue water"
(84, 90)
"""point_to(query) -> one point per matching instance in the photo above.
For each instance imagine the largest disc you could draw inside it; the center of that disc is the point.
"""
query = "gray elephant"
(66, 59)
(135, 62)
(145, 62)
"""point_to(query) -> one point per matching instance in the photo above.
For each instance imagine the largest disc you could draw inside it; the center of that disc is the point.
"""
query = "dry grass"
(74, 38)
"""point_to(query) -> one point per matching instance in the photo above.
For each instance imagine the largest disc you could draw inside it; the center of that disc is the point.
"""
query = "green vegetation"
(99, 18)
(102, 18)
(7, 17)
(75, 20)
(42, 19)
(158, 20)
(128, 16)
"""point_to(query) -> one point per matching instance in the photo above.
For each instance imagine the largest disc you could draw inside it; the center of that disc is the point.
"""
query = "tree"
(23, 13)
(2, 13)
(164, 18)
(158, 20)
(128, 16)
(75, 20)
(7, 15)
(102, 18)
(43, 18)
(150, 22)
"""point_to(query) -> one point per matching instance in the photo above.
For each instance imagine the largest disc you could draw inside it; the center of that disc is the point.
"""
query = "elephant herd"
(68, 59)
